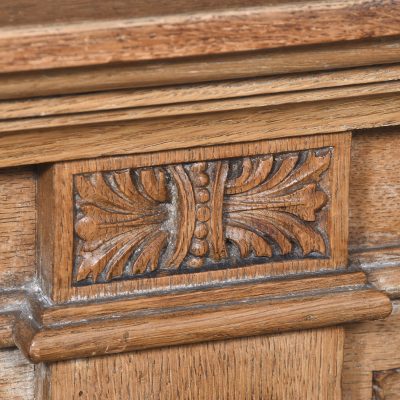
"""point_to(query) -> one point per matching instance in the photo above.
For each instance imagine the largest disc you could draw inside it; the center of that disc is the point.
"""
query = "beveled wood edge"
(382, 268)
(26, 48)
(311, 117)
(136, 104)
(92, 328)
(252, 64)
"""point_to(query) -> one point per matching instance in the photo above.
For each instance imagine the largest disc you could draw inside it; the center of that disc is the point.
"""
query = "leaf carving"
(115, 217)
(280, 207)
(247, 241)
(136, 222)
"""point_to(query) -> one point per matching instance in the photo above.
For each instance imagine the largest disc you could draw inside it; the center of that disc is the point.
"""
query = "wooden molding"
(190, 316)
(205, 129)
(215, 96)
(322, 57)
(382, 268)
(213, 31)
(386, 384)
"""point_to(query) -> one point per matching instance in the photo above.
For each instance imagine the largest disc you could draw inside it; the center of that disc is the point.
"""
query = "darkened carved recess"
(197, 216)
(386, 384)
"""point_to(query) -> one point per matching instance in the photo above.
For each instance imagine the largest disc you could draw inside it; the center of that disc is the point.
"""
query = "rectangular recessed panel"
(190, 217)
(194, 216)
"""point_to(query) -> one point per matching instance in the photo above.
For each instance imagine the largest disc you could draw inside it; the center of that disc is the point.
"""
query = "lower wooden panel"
(16, 376)
(298, 365)
(371, 356)
(386, 384)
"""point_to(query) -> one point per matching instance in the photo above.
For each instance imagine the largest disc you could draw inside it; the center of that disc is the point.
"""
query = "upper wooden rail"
(48, 42)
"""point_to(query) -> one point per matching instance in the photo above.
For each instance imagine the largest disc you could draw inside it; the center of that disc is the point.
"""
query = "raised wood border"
(322, 57)
(196, 315)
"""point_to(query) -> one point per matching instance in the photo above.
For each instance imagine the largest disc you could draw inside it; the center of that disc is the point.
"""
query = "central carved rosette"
(205, 215)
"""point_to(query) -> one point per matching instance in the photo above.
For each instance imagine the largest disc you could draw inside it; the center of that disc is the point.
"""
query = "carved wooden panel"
(189, 217)
(195, 216)
(386, 384)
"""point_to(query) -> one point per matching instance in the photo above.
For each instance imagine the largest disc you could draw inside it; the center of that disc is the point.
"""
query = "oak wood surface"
(181, 35)
(28, 12)
(386, 384)
(382, 267)
(299, 365)
(117, 115)
(375, 189)
(278, 87)
(371, 346)
(17, 227)
(56, 230)
(17, 377)
(200, 69)
(47, 145)
(197, 317)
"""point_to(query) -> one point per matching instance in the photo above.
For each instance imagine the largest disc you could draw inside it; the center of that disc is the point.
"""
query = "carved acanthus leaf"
(117, 213)
(136, 222)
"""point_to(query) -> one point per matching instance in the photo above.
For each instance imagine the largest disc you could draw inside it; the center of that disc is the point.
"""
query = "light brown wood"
(370, 346)
(386, 384)
(135, 98)
(11, 304)
(28, 12)
(197, 317)
(17, 227)
(375, 189)
(382, 268)
(76, 312)
(239, 29)
(203, 69)
(299, 365)
(190, 108)
(199, 199)
(17, 377)
(56, 230)
(208, 129)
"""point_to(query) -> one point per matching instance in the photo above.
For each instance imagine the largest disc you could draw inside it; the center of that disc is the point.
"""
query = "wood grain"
(258, 368)
(369, 346)
(49, 145)
(135, 98)
(382, 268)
(11, 304)
(129, 224)
(202, 107)
(200, 69)
(195, 320)
(17, 227)
(17, 377)
(375, 189)
(386, 384)
(181, 35)
(73, 313)
(56, 230)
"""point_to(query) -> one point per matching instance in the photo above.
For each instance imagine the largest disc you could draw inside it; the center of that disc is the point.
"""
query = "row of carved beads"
(199, 246)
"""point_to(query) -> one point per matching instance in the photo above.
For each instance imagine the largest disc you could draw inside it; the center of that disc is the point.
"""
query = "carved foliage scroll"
(197, 216)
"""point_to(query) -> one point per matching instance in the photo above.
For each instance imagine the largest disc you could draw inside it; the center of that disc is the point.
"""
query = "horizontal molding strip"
(351, 82)
(25, 48)
(382, 266)
(291, 60)
(144, 136)
(172, 110)
(89, 329)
